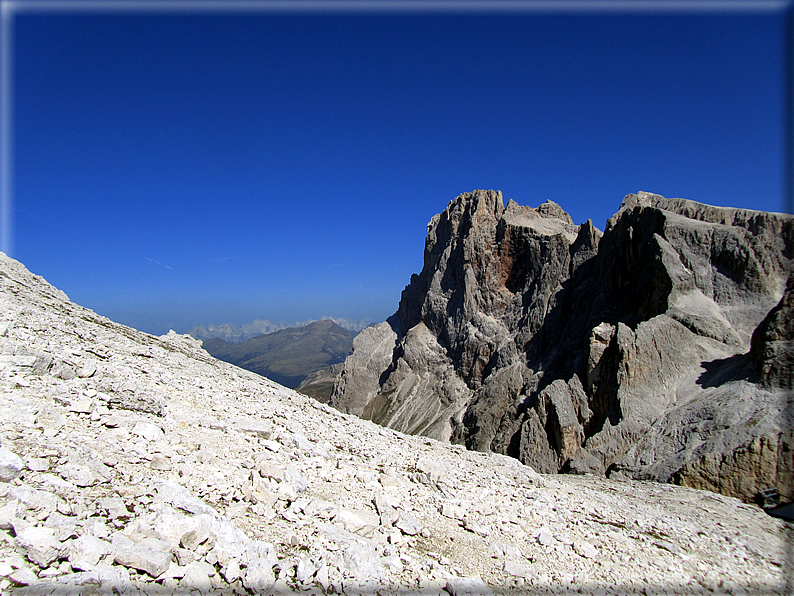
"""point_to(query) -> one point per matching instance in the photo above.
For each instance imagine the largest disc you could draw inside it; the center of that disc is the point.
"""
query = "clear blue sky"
(179, 169)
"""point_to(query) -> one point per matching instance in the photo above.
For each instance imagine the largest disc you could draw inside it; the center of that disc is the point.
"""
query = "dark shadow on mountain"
(724, 370)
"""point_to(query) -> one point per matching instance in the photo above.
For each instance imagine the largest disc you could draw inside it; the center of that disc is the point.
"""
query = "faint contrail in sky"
(158, 263)
(219, 260)
(9, 8)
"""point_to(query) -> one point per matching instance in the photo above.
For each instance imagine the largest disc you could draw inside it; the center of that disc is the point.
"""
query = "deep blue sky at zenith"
(177, 169)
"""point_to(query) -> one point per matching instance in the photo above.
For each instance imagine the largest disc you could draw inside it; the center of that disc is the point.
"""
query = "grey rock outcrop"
(660, 349)
(773, 343)
(372, 353)
(320, 383)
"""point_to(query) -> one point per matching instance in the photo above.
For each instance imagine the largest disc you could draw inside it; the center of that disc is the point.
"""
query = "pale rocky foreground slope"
(136, 464)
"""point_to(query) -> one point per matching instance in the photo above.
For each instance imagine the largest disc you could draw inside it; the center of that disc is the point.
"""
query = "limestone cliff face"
(627, 352)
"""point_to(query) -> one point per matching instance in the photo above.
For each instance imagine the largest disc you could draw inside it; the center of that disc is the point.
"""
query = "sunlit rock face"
(626, 352)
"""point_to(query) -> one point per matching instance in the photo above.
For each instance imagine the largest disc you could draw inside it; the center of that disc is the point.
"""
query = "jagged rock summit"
(629, 352)
(133, 464)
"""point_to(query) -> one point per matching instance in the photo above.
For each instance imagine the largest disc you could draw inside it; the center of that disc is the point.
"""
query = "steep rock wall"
(623, 353)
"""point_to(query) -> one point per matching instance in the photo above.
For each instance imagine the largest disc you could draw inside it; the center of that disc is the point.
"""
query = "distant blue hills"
(234, 334)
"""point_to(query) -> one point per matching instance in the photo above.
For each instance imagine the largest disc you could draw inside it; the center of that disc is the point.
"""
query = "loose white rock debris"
(136, 464)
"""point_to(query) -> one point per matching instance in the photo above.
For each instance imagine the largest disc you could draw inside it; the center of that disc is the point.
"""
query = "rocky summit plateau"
(660, 349)
(134, 464)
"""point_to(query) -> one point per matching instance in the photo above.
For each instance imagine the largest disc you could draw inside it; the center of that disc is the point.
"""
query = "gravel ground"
(138, 464)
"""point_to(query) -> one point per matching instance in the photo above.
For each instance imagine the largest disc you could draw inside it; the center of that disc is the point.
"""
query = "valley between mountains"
(288, 356)
(134, 464)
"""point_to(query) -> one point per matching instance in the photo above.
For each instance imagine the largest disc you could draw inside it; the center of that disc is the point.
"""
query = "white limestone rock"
(362, 561)
(355, 521)
(196, 575)
(231, 571)
(38, 464)
(544, 538)
(142, 556)
(39, 544)
(23, 576)
(516, 569)
(41, 500)
(253, 426)
(110, 579)
(86, 551)
(12, 510)
(305, 570)
(148, 431)
(77, 474)
(500, 549)
(11, 465)
(180, 497)
(272, 471)
(585, 549)
(452, 511)
(116, 507)
(64, 526)
(408, 524)
(477, 528)
(467, 586)
(258, 575)
(295, 479)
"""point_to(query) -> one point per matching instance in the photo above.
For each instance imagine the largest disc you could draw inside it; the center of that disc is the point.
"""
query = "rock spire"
(659, 349)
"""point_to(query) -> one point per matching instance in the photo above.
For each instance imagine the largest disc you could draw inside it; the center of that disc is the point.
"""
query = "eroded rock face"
(483, 278)
(577, 351)
(773, 343)
(372, 354)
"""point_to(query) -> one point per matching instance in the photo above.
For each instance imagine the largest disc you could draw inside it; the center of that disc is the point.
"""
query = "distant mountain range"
(287, 356)
(235, 334)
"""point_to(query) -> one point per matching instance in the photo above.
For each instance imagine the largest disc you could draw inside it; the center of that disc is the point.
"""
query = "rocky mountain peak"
(574, 350)
(553, 210)
(477, 264)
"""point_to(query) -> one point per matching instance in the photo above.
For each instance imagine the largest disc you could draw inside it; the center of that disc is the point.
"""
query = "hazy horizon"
(265, 326)
(174, 169)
